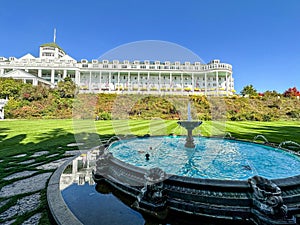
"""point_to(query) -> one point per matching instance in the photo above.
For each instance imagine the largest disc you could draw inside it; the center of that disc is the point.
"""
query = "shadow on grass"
(55, 141)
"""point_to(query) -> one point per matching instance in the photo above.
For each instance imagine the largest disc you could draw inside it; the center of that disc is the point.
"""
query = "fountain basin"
(189, 124)
(158, 193)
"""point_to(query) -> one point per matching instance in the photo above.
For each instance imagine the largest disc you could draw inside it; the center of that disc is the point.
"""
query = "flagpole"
(54, 37)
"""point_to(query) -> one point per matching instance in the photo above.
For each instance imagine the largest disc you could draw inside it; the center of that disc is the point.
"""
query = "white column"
(109, 81)
(52, 75)
(171, 82)
(181, 82)
(148, 82)
(39, 73)
(100, 81)
(205, 80)
(118, 80)
(159, 81)
(193, 83)
(90, 82)
(35, 81)
(138, 81)
(64, 74)
(217, 78)
(128, 83)
(226, 84)
(77, 77)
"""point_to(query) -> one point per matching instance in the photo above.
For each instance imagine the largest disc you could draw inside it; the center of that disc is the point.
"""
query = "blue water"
(212, 158)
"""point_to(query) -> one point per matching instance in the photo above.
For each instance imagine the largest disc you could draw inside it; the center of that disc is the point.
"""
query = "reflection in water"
(89, 205)
(80, 170)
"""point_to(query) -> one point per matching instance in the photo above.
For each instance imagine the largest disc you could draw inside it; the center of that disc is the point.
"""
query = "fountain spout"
(189, 125)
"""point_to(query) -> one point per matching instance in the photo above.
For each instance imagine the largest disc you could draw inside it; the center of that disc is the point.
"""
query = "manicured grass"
(19, 136)
(29, 136)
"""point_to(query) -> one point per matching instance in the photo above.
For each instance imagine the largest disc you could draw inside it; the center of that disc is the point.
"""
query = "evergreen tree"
(249, 90)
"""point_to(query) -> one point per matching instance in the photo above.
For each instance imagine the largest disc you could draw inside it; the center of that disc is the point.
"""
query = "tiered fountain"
(189, 125)
(220, 183)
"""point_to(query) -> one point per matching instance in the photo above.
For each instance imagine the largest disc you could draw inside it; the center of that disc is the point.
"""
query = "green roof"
(52, 44)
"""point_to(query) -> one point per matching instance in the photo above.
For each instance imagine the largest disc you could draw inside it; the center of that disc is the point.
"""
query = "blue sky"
(260, 38)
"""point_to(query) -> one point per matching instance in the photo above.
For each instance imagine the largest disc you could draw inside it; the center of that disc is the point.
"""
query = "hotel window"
(124, 66)
(105, 66)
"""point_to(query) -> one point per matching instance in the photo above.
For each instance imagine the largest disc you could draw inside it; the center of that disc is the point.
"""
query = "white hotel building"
(53, 65)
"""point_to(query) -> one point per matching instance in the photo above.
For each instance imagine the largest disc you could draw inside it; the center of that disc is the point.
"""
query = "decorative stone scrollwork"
(154, 187)
(267, 197)
(103, 162)
(155, 175)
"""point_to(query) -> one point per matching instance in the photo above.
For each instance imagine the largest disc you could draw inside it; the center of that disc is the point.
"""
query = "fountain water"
(189, 125)
(228, 135)
(262, 137)
(289, 143)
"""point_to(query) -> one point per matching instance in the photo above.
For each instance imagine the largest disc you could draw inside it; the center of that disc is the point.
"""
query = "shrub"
(105, 116)
(294, 114)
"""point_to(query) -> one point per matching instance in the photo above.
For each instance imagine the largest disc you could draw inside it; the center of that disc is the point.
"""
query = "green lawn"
(29, 136)
(19, 136)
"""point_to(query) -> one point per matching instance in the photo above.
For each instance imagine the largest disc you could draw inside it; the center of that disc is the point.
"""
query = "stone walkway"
(22, 193)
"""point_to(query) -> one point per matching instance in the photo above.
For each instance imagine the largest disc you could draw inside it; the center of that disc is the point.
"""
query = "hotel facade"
(95, 76)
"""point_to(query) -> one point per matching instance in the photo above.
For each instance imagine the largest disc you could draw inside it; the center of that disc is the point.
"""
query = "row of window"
(122, 66)
(113, 77)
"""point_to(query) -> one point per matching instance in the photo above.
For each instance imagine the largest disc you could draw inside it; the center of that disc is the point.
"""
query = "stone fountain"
(189, 125)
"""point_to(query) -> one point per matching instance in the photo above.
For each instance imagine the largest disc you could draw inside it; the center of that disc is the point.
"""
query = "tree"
(67, 88)
(273, 93)
(291, 92)
(249, 90)
(10, 87)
